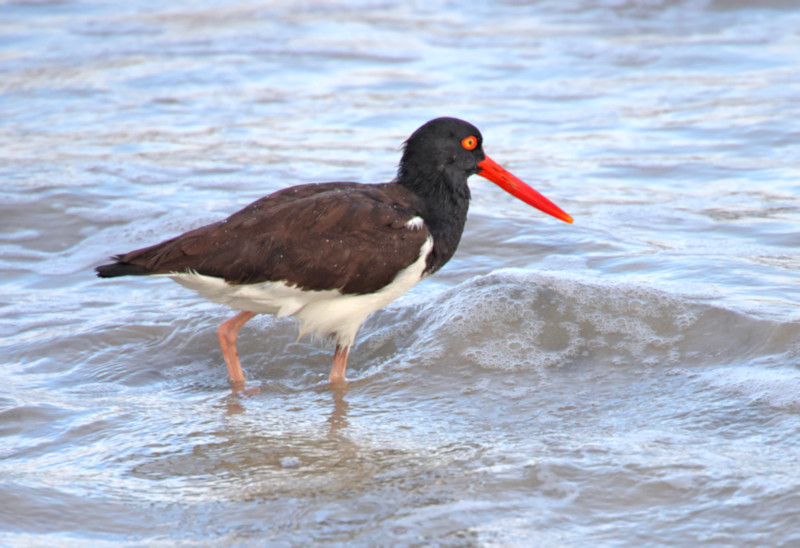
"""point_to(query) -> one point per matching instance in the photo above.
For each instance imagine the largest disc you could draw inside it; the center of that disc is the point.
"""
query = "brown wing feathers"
(343, 236)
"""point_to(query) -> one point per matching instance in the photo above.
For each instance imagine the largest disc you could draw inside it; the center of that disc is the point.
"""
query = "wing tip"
(114, 270)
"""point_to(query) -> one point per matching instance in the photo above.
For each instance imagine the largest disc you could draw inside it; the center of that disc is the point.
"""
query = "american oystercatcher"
(330, 254)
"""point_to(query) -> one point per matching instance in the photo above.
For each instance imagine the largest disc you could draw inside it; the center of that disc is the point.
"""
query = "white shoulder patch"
(415, 223)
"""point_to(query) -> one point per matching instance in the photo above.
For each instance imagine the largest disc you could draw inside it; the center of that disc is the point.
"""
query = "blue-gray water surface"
(631, 379)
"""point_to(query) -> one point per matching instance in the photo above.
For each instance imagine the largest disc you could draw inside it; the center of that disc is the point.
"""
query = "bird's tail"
(113, 270)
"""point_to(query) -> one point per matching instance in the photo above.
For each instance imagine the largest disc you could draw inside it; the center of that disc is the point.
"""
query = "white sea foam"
(778, 387)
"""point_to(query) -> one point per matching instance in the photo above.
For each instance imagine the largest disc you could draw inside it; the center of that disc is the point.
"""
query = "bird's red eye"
(469, 142)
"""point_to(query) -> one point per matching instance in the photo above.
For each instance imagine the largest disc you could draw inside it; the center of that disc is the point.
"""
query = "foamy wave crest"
(518, 320)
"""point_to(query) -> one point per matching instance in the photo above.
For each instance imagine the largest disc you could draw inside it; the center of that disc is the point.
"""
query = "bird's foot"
(238, 388)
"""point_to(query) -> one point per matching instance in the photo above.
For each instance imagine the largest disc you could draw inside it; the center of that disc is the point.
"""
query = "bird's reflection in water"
(338, 416)
(235, 404)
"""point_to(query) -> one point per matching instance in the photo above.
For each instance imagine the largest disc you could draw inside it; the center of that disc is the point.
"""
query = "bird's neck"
(445, 201)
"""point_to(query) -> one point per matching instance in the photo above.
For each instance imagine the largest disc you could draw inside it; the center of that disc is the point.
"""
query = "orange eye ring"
(470, 142)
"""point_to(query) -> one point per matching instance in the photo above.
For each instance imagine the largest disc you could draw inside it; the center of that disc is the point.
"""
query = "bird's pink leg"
(339, 364)
(227, 333)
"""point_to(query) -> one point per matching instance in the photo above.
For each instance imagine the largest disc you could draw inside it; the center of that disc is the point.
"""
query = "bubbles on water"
(777, 387)
(290, 462)
(520, 320)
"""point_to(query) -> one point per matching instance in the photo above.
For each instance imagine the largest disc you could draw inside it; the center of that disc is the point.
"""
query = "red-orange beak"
(514, 186)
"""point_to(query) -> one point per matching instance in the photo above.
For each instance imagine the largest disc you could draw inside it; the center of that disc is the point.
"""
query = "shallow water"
(633, 378)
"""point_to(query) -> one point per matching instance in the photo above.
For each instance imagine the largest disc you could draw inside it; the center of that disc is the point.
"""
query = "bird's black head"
(441, 155)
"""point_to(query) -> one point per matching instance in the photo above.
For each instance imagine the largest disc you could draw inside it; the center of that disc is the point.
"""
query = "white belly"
(328, 313)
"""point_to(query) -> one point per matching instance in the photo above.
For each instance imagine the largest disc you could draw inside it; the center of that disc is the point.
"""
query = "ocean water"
(631, 379)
